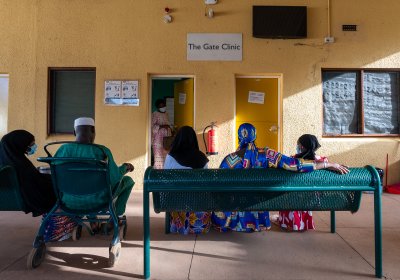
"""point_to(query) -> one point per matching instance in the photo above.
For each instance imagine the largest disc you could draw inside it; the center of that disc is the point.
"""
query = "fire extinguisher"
(212, 139)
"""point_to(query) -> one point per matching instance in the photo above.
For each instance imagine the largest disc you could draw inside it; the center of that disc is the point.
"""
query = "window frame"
(50, 108)
(360, 93)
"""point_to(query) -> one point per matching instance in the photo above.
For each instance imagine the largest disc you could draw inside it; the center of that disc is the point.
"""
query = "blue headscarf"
(246, 136)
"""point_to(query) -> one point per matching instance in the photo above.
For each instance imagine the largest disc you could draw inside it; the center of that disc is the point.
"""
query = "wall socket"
(329, 40)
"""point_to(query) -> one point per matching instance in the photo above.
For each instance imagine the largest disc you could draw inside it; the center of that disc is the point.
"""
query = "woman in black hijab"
(307, 145)
(185, 154)
(36, 188)
(185, 150)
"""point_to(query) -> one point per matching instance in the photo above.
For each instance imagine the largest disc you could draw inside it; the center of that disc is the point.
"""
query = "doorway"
(258, 101)
(4, 80)
(178, 93)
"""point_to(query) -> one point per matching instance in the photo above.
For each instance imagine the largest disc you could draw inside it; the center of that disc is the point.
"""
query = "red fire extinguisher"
(212, 139)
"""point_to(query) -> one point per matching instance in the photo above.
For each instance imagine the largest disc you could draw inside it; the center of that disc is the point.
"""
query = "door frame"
(7, 107)
(280, 124)
(149, 107)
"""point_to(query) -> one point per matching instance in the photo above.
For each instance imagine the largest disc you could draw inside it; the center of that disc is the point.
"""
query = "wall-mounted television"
(280, 22)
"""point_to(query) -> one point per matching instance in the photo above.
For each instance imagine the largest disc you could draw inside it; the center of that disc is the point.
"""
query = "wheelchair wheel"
(114, 254)
(77, 233)
(36, 256)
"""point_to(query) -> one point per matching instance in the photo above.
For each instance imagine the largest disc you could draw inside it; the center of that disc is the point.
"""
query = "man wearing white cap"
(84, 130)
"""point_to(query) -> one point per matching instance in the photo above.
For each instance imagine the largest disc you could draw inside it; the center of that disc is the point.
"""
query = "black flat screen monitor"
(280, 22)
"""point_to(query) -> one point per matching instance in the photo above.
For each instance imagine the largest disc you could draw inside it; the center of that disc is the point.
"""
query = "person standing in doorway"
(160, 128)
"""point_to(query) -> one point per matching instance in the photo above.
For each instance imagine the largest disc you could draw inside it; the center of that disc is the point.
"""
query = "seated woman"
(249, 156)
(185, 154)
(36, 188)
(307, 145)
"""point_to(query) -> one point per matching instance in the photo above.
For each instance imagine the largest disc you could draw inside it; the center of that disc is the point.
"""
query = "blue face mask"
(298, 150)
(31, 150)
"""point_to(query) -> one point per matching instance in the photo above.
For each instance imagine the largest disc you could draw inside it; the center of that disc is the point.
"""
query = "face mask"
(163, 109)
(31, 150)
(298, 149)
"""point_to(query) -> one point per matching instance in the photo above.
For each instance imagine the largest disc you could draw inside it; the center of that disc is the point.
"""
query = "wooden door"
(257, 102)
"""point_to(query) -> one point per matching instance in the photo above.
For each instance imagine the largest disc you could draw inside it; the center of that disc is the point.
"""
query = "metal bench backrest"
(82, 185)
(10, 193)
(258, 189)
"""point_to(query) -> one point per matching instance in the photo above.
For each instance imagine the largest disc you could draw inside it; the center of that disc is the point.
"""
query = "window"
(71, 95)
(361, 102)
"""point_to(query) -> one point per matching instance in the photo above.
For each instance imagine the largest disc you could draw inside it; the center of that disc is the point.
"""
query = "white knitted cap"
(84, 121)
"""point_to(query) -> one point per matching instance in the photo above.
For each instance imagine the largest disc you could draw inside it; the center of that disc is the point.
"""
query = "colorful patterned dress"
(187, 222)
(157, 136)
(58, 228)
(298, 220)
(190, 222)
(254, 158)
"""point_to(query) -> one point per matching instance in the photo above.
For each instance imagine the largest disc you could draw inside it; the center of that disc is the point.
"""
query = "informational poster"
(112, 89)
(125, 92)
(182, 98)
(256, 97)
(130, 89)
(130, 101)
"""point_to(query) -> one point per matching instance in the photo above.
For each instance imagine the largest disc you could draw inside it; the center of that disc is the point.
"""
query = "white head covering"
(83, 121)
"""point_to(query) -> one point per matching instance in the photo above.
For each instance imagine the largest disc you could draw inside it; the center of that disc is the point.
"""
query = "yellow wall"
(127, 39)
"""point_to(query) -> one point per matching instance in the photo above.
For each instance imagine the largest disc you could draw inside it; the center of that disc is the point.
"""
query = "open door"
(258, 103)
(178, 93)
(183, 102)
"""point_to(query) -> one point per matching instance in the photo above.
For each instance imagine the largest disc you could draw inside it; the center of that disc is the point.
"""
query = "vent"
(349, 27)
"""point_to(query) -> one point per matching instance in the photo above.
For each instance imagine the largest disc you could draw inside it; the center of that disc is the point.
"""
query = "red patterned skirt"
(296, 220)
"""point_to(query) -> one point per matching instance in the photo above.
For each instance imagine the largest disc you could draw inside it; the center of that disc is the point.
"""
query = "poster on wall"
(112, 92)
(121, 92)
(130, 89)
(256, 97)
(182, 98)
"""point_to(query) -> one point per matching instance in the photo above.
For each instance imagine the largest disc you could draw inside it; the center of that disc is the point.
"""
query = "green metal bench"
(10, 194)
(258, 190)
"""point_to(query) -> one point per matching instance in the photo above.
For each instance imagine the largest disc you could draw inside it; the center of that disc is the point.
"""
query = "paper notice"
(256, 97)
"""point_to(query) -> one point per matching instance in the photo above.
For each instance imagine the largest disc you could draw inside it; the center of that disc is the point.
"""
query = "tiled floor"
(348, 254)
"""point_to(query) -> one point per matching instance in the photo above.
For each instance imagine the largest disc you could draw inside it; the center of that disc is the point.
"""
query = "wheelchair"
(86, 184)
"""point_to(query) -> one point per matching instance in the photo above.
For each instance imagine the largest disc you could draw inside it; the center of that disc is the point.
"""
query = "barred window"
(71, 95)
(360, 102)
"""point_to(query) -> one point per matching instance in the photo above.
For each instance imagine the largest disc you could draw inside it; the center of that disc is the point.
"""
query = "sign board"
(256, 97)
(214, 46)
